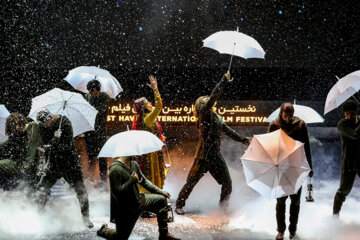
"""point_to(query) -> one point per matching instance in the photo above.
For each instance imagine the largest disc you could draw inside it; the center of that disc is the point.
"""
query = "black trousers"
(200, 167)
(294, 212)
(73, 176)
(346, 184)
(154, 203)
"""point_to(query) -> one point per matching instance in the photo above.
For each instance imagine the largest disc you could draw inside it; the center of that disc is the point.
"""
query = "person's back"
(350, 144)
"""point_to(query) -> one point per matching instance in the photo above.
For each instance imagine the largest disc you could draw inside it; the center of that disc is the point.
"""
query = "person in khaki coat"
(208, 157)
(127, 203)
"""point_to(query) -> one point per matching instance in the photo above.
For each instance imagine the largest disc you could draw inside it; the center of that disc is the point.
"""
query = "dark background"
(307, 43)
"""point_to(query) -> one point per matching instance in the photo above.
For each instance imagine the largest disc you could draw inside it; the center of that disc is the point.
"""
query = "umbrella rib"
(287, 179)
(262, 173)
(291, 167)
(275, 175)
(69, 106)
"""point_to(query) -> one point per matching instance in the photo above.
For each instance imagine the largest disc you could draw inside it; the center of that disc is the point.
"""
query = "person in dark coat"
(295, 128)
(63, 161)
(127, 203)
(208, 156)
(94, 140)
(19, 154)
(349, 130)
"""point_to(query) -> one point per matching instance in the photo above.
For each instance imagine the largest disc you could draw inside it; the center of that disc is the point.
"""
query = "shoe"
(293, 236)
(148, 215)
(88, 223)
(100, 232)
(280, 236)
(168, 236)
(179, 211)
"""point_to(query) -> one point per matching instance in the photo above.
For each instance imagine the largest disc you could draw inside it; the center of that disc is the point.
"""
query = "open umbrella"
(275, 165)
(131, 143)
(72, 105)
(4, 113)
(307, 114)
(342, 90)
(234, 43)
(80, 76)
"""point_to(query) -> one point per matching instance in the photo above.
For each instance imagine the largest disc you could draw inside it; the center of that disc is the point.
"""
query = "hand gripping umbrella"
(72, 105)
(275, 165)
(234, 43)
(80, 76)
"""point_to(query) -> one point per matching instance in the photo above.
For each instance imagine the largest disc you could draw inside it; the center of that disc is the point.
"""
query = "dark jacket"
(350, 137)
(125, 198)
(297, 130)
(62, 155)
(210, 125)
(97, 138)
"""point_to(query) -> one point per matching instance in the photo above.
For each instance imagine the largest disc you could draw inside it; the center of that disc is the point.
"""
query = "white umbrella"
(275, 165)
(131, 143)
(342, 90)
(4, 113)
(72, 105)
(234, 43)
(80, 76)
(305, 113)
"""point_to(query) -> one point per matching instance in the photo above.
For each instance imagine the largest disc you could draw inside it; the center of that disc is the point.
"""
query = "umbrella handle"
(232, 55)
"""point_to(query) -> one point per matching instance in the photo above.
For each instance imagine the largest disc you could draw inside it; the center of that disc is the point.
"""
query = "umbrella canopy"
(80, 76)
(275, 165)
(234, 43)
(342, 90)
(307, 114)
(4, 113)
(131, 143)
(72, 105)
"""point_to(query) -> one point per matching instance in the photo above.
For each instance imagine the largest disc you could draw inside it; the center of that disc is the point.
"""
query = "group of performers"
(38, 153)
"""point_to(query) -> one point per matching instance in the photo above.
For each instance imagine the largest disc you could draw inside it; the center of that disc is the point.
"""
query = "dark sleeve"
(5, 149)
(32, 145)
(116, 179)
(214, 96)
(65, 142)
(307, 144)
(233, 134)
(348, 133)
(144, 182)
(272, 127)
(104, 105)
(357, 131)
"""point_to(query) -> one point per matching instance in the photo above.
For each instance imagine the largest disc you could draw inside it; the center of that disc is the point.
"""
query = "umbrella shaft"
(232, 55)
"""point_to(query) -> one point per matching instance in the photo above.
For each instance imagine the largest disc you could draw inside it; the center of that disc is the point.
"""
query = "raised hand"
(153, 82)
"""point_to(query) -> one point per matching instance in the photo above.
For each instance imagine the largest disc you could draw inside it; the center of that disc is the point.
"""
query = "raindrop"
(280, 12)
(140, 29)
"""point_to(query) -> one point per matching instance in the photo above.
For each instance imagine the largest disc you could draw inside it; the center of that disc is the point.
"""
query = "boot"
(87, 222)
(147, 214)
(280, 236)
(167, 236)
(179, 211)
(293, 236)
(163, 227)
(101, 231)
(338, 202)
